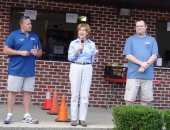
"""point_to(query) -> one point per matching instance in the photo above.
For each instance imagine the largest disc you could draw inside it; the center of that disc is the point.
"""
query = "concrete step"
(97, 119)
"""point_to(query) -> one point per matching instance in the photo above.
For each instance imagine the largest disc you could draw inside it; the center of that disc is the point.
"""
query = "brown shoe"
(73, 123)
(82, 123)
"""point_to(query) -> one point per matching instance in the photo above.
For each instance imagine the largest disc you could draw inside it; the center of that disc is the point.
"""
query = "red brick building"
(109, 32)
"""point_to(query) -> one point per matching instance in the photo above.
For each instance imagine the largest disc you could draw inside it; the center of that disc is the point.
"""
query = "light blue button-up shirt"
(88, 51)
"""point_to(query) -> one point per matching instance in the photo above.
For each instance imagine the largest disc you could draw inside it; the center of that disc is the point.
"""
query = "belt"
(81, 63)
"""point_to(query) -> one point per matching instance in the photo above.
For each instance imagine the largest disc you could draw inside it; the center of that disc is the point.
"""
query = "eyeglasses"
(26, 17)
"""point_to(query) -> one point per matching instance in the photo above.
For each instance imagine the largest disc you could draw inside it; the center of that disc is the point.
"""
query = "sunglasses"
(26, 17)
(23, 18)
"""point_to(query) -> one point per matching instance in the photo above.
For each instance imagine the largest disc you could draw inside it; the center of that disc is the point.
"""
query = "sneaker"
(30, 120)
(8, 120)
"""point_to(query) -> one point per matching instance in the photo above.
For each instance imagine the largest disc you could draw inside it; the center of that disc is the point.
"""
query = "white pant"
(80, 79)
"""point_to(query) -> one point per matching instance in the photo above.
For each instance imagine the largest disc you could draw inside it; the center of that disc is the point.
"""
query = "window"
(54, 33)
(163, 39)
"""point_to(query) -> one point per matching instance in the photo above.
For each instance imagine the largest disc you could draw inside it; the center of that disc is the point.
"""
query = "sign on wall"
(168, 26)
(58, 49)
(71, 18)
(31, 13)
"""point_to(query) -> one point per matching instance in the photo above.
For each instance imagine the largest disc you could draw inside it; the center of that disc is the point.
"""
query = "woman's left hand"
(96, 53)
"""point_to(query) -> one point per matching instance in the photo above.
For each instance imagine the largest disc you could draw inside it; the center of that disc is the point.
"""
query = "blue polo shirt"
(22, 65)
(142, 49)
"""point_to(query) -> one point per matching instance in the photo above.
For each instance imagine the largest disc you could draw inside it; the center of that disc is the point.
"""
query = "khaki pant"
(144, 87)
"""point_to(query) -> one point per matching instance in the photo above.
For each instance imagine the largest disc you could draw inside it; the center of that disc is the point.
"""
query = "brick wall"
(109, 31)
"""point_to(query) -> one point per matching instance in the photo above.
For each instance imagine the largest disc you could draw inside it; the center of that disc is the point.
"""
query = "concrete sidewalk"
(97, 119)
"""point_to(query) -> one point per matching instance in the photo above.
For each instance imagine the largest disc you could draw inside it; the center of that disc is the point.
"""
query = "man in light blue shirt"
(141, 51)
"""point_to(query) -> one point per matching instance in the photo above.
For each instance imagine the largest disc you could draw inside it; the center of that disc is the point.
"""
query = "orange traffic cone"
(54, 105)
(62, 115)
(47, 101)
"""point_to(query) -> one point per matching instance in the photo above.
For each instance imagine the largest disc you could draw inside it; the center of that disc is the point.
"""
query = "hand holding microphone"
(81, 46)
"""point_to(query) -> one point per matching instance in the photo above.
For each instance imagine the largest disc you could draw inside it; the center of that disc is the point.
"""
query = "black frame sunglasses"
(26, 17)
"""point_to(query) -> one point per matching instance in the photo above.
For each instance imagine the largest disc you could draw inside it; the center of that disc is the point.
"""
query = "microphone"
(82, 41)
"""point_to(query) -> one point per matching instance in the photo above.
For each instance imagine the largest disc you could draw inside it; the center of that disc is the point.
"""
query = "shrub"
(167, 119)
(137, 118)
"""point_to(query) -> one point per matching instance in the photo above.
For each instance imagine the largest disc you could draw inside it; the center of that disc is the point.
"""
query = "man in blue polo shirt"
(22, 46)
(141, 51)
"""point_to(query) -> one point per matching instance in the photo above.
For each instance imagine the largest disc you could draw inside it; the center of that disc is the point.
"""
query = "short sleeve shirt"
(142, 49)
(22, 65)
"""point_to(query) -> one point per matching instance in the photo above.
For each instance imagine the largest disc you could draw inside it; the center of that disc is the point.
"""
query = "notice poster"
(168, 26)
(31, 13)
(71, 18)
(58, 49)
